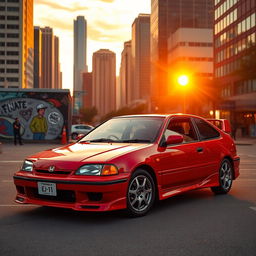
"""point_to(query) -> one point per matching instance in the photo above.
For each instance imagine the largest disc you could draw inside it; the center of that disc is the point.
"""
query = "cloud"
(58, 23)
(73, 7)
(107, 1)
(98, 34)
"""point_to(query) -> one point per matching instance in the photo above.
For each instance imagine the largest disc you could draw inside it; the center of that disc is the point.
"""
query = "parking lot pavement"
(193, 223)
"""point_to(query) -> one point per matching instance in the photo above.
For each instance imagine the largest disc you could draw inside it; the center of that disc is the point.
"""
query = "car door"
(181, 164)
(212, 145)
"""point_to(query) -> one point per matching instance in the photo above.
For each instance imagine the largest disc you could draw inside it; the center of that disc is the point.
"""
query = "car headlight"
(97, 169)
(27, 166)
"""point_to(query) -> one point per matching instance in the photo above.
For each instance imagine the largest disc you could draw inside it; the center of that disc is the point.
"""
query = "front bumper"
(80, 195)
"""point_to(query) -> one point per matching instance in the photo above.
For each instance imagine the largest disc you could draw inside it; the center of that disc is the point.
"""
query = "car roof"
(159, 115)
(81, 124)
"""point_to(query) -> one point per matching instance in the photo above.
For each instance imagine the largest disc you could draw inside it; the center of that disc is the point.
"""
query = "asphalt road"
(194, 223)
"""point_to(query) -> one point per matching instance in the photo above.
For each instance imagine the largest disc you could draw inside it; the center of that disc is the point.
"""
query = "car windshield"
(126, 130)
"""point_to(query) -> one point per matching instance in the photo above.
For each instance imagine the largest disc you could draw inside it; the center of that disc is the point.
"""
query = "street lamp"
(183, 81)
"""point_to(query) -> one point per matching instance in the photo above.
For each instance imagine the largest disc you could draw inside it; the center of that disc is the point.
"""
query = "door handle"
(199, 149)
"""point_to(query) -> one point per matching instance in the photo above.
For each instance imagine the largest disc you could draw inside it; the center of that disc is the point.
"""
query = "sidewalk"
(245, 141)
(19, 152)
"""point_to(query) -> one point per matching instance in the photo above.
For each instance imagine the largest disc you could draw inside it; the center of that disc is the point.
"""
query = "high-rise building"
(190, 52)
(80, 64)
(50, 59)
(57, 73)
(166, 17)
(141, 58)
(234, 63)
(104, 81)
(16, 44)
(37, 57)
(125, 76)
(87, 88)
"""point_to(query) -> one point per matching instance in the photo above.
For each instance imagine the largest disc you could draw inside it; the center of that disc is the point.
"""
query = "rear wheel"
(225, 178)
(140, 194)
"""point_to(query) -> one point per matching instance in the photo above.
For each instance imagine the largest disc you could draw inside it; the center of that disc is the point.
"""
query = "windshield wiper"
(101, 140)
(136, 141)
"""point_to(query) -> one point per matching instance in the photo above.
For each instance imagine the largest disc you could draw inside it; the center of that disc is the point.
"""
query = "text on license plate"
(46, 188)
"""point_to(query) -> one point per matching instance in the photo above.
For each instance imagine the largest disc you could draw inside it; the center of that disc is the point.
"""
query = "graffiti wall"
(42, 113)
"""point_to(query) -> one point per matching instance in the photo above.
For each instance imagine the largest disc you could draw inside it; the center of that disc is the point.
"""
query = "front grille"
(62, 196)
(54, 172)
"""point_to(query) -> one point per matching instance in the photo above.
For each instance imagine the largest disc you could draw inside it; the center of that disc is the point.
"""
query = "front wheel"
(140, 194)
(225, 178)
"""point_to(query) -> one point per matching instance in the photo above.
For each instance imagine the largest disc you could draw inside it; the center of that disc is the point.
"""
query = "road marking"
(11, 161)
(7, 181)
(253, 208)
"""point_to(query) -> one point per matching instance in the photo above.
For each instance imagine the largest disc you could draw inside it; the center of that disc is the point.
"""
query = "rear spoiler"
(222, 124)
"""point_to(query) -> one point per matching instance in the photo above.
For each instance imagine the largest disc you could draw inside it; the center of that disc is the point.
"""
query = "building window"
(12, 79)
(1, 79)
(13, 26)
(13, 9)
(2, 8)
(13, 44)
(13, 53)
(12, 70)
(12, 62)
(2, 61)
(12, 35)
(12, 17)
(2, 70)
(2, 35)
(13, 1)
(2, 25)
(2, 17)
(2, 53)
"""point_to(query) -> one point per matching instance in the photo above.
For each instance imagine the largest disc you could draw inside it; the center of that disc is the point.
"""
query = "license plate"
(46, 188)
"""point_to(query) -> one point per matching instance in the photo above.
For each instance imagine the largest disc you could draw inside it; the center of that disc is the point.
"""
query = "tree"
(88, 114)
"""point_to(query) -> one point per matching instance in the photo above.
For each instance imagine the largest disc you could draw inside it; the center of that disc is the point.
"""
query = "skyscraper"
(50, 59)
(234, 63)
(141, 58)
(125, 76)
(166, 17)
(80, 64)
(16, 44)
(37, 57)
(104, 81)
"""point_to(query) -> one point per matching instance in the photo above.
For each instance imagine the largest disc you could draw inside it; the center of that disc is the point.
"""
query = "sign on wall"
(42, 114)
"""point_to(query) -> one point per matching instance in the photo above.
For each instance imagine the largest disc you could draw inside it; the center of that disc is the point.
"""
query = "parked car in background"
(77, 129)
(130, 162)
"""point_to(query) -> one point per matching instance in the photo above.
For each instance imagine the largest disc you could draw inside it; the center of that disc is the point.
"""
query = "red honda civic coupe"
(130, 162)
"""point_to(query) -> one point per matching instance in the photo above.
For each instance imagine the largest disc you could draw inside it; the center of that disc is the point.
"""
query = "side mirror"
(79, 137)
(174, 139)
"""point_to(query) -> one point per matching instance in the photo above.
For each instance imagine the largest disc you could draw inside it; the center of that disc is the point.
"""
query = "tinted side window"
(206, 131)
(181, 126)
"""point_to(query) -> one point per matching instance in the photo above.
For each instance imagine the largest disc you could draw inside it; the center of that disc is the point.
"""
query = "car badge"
(51, 168)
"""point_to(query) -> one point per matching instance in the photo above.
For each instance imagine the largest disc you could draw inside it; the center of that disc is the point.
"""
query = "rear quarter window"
(206, 130)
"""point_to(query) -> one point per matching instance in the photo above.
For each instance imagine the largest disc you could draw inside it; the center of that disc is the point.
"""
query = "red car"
(130, 162)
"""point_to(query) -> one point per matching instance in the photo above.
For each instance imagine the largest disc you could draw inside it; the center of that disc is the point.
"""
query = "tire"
(141, 193)
(225, 178)
(74, 136)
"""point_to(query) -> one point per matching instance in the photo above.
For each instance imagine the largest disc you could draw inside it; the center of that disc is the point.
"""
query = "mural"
(42, 115)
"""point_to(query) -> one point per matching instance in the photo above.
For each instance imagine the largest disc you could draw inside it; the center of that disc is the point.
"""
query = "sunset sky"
(108, 26)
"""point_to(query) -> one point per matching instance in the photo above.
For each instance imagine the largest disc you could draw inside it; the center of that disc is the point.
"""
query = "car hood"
(79, 152)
